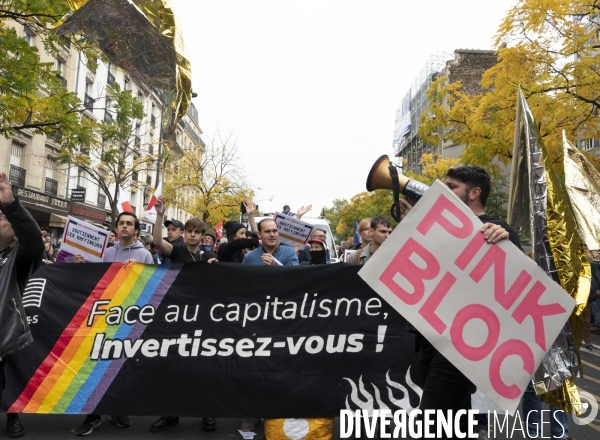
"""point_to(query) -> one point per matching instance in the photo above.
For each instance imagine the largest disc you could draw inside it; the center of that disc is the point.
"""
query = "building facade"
(51, 191)
(466, 66)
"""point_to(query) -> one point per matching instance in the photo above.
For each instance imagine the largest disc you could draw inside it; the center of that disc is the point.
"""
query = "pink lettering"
(470, 251)
(509, 348)
(530, 307)
(401, 264)
(466, 314)
(496, 257)
(435, 215)
(428, 308)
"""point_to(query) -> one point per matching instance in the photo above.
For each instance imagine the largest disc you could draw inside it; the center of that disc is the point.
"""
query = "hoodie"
(118, 254)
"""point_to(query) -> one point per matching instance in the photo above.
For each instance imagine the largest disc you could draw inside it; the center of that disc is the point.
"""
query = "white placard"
(292, 231)
(84, 239)
(488, 308)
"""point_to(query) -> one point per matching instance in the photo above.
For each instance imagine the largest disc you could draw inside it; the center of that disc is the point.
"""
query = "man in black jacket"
(21, 249)
(444, 386)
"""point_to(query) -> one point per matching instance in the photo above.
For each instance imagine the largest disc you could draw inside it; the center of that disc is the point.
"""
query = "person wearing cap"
(318, 251)
(208, 243)
(175, 231)
(232, 251)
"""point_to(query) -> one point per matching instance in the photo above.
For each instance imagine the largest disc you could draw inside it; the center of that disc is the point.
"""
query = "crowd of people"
(444, 386)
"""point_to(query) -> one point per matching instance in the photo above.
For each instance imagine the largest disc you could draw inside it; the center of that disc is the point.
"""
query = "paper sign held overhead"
(488, 308)
(292, 231)
(84, 239)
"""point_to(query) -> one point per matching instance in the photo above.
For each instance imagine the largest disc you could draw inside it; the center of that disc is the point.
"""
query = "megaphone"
(385, 175)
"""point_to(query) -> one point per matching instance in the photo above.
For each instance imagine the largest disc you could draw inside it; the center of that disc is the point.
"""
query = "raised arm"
(250, 208)
(303, 210)
(163, 246)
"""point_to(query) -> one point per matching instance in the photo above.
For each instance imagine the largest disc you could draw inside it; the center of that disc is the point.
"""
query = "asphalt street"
(50, 427)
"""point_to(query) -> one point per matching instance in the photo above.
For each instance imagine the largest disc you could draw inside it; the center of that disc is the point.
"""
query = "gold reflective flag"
(142, 38)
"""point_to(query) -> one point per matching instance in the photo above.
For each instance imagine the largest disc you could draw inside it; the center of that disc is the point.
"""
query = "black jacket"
(17, 263)
(231, 252)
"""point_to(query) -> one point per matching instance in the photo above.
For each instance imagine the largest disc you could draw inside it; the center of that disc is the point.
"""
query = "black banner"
(217, 340)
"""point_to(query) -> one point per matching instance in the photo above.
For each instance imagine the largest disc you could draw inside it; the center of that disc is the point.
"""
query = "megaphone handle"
(395, 209)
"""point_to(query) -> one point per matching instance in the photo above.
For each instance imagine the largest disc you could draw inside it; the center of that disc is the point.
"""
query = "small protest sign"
(84, 239)
(292, 231)
(488, 308)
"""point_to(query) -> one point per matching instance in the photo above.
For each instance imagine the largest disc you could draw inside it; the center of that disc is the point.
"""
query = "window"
(29, 36)
(101, 201)
(16, 153)
(81, 179)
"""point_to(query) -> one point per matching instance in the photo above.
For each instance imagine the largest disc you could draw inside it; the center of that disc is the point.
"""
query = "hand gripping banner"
(217, 340)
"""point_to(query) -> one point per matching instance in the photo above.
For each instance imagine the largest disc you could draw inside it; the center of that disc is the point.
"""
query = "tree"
(110, 154)
(333, 214)
(211, 185)
(362, 205)
(434, 168)
(550, 49)
(31, 94)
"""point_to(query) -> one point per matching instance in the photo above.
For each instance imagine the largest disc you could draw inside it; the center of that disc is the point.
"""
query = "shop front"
(49, 212)
(96, 216)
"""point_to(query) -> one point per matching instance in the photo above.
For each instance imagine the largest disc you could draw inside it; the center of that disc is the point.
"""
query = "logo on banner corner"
(32, 297)
(376, 398)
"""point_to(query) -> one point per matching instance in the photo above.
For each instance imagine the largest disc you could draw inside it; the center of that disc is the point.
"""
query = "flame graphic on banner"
(368, 404)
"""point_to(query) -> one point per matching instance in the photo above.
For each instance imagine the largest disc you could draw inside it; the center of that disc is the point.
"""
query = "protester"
(21, 248)
(48, 254)
(112, 236)
(346, 246)
(587, 311)
(208, 243)
(126, 250)
(287, 211)
(594, 298)
(271, 253)
(232, 250)
(365, 232)
(381, 228)
(304, 256)
(175, 231)
(318, 252)
(194, 234)
(444, 386)
(156, 256)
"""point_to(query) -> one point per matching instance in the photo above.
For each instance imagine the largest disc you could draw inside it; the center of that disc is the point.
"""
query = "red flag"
(219, 230)
(123, 204)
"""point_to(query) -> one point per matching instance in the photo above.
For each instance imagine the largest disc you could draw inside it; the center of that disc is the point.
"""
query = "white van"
(319, 223)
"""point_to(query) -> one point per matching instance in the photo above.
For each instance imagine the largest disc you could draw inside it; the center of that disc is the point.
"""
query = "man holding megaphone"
(444, 386)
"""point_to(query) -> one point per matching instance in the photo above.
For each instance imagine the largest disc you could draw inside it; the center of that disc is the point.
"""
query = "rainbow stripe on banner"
(68, 381)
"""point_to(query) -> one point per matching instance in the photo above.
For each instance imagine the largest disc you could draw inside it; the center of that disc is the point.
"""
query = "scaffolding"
(410, 147)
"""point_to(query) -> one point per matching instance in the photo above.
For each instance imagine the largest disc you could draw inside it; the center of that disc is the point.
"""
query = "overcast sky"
(310, 87)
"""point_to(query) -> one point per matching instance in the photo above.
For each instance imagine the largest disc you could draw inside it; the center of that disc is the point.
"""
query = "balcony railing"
(88, 102)
(110, 80)
(62, 79)
(108, 117)
(152, 121)
(16, 176)
(51, 187)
